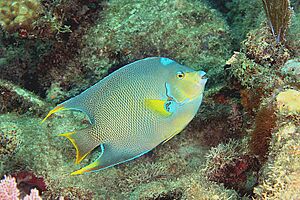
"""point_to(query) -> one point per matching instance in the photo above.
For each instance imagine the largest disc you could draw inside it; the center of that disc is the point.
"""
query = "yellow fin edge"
(69, 136)
(54, 110)
(170, 137)
(88, 168)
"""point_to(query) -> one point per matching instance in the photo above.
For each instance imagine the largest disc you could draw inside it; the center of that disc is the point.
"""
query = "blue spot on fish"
(165, 61)
(202, 73)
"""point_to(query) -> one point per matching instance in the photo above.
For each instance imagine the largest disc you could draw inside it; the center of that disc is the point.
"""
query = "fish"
(133, 110)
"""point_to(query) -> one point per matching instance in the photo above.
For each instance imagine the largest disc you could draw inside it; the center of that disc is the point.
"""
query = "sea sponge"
(288, 100)
(19, 14)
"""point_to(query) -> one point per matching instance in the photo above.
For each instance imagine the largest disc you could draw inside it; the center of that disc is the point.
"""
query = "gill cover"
(186, 85)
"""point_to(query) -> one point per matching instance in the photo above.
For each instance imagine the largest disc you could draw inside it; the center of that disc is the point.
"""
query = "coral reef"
(232, 165)
(291, 71)
(46, 54)
(244, 142)
(279, 179)
(16, 99)
(195, 36)
(242, 17)
(268, 52)
(293, 34)
(9, 141)
(171, 170)
(9, 190)
(268, 85)
(219, 116)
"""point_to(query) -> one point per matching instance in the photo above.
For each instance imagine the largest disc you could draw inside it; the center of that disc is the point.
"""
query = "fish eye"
(180, 75)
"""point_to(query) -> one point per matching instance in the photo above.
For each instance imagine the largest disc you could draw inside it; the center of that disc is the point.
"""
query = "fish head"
(185, 83)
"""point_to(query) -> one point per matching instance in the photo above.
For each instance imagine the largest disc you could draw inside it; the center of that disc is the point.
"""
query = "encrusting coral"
(20, 14)
(9, 140)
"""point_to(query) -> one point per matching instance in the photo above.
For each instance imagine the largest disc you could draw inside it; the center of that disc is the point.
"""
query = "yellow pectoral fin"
(56, 109)
(158, 106)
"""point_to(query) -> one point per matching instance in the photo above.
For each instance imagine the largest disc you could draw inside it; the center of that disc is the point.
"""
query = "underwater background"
(244, 142)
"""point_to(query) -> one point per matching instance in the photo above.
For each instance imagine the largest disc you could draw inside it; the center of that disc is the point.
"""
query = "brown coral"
(265, 121)
(250, 99)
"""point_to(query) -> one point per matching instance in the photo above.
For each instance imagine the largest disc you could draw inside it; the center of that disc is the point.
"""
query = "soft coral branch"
(9, 190)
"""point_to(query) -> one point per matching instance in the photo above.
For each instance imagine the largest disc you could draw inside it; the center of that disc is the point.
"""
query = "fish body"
(134, 109)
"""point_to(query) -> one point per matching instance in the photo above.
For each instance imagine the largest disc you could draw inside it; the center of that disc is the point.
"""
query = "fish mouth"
(203, 77)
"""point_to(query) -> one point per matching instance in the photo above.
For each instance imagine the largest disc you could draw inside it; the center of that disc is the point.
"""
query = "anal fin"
(75, 103)
(91, 167)
(109, 157)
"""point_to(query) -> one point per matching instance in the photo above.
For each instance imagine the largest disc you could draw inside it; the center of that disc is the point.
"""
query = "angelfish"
(133, 110)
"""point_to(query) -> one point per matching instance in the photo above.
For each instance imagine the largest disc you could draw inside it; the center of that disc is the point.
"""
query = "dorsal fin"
(79, 103)
(75, 103)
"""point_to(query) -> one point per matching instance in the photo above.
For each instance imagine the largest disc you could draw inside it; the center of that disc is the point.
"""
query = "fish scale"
(134, 109)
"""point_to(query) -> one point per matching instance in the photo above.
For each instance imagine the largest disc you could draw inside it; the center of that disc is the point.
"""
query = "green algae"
(187, 31)
(242, 17)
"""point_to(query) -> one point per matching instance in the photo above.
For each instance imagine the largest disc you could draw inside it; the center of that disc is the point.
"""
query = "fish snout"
(203, 79)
